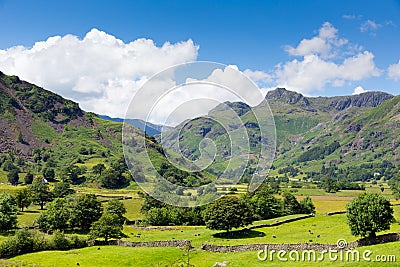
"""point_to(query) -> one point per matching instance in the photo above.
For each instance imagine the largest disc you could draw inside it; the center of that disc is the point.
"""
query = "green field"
(330, 228)
(325, 229)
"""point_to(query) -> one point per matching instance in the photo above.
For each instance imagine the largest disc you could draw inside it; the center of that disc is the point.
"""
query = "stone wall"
(163, 243)
(276, 223)
(304, 246)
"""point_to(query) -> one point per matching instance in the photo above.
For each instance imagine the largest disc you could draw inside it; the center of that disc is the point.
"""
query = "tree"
(119, 165)
(23, 198)
(290, 204)
(329, 185)
(108, 226)
(40, 192)
(368, 214)
(62, 189)
(117, 208)
(8, 211)
(13, 176)
(264, 204)
(48, 174)
(113, 179)
(55, 217)
(85, 209)
(71, 173)
(158, 216)
(28, 178)
(226, 213)
(8, 165)
(307, 206)
(394, 184)
(98, 169)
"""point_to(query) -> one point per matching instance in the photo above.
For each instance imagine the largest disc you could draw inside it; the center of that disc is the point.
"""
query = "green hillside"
(311, 132)
(40, 130)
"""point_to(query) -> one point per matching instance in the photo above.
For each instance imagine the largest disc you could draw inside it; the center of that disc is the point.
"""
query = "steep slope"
(33, 119)
(40, 129)
(343, 128)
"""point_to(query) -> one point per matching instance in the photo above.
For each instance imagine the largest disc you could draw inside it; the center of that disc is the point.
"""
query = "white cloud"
(394, 71)
(370, 26)
(359, 90)
(350, 17)
(326, 60)
(258, 76)
(324, 45)
(100, 71)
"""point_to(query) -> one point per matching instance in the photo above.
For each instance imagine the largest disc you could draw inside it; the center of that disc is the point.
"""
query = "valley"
(329, 151)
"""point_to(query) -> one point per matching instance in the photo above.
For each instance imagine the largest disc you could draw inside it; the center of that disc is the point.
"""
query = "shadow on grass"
(29, 211)
(239, 234)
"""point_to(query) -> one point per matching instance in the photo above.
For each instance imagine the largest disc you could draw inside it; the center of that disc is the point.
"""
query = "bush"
(58, 241)
(26, 241)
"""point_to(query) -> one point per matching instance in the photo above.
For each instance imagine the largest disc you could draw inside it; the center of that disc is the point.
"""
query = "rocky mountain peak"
(286, 96)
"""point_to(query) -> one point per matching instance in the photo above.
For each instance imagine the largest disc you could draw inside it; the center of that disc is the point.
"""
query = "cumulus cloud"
(323, 45)
(258, 76)
(359, 90)
(99, 70)
(160, 100)
(325, 60)
(394, 71)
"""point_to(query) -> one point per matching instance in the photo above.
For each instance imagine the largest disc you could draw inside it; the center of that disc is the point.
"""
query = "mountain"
(150, 128)
(311, 131)
(40, 129)
(34, 119)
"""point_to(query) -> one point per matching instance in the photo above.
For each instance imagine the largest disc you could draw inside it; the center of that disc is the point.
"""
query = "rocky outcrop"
(365, 100)
(289, 97)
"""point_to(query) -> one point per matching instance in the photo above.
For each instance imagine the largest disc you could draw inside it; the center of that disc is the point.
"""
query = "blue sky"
(278, 43)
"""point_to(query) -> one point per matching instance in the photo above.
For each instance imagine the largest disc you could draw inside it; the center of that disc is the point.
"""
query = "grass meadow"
(324, 229)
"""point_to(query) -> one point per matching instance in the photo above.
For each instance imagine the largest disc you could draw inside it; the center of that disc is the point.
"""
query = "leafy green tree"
(8, 165)
(290, 204)
(368, 214)
(108, 226)
(98, 168)
(307, 206)
(48, 174)
(23, 198)
(56, 216)
(394, 184)
(85, 209)
(40, 192)
(158, 216)
(226, 213)
(119, 165)
(62, 189)
(8, 211)
(150, 202)
(264, 206)
(329, 185)
(71, 174)
(28, 178)
(13, 176)
(113, 179)
(117, 208)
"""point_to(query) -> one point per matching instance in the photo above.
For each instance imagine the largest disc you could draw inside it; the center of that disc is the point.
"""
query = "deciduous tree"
(368, 214)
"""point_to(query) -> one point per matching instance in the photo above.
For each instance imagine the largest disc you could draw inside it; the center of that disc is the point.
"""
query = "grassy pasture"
(143, 257)
(330, 228)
